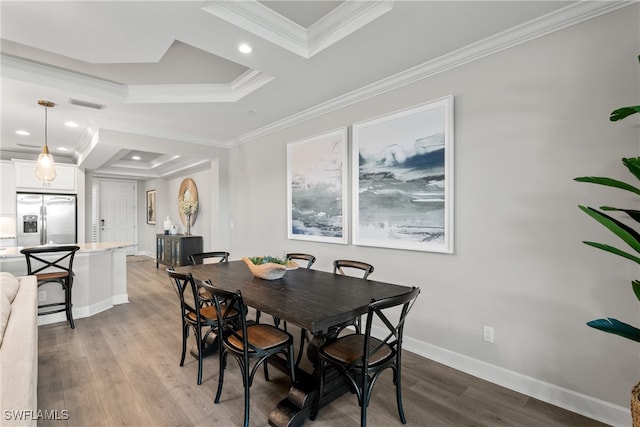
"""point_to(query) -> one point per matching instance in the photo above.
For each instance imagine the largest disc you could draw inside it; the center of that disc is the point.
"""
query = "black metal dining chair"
(245, 342)
(195, 315)
(206, 257)
(310, 259)
(361, 358)
(346, 267)
(53, 264)
(202, 257)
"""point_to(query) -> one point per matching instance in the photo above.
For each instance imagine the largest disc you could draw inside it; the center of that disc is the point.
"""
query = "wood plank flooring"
(121, 368)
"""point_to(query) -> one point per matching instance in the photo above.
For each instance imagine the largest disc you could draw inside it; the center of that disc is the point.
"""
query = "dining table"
(315, 300)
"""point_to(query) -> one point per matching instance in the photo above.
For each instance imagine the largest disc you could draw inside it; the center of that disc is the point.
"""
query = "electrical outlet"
(487, 334)
(42, 296)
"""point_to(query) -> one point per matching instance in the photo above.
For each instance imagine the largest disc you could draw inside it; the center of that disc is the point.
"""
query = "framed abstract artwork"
(402, 179)
(317, 185)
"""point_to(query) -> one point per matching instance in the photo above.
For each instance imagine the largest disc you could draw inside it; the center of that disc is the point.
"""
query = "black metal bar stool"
(53, 264)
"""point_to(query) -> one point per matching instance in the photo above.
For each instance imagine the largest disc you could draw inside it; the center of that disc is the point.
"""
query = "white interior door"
(117, 217)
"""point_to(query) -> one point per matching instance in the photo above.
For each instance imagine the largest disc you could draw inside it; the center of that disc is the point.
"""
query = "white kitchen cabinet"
(8, 185)
(25, 178)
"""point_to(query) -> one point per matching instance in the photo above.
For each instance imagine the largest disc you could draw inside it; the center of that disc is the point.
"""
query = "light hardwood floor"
(121, 368)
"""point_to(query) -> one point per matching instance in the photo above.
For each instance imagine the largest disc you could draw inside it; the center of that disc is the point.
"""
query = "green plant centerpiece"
(628, 235)
(269, 267)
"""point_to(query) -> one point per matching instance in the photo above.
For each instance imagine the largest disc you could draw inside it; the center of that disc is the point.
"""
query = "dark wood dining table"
(311, 299)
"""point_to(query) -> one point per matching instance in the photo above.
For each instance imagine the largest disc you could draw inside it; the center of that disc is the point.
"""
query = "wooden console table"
(173, 250)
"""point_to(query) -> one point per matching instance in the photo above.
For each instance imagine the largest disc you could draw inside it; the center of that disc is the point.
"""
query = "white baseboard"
(120, 299)
(145, 253)
(568, 399)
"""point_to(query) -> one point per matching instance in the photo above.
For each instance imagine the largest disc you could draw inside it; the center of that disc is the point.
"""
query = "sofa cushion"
(5, 311)
(9, 285)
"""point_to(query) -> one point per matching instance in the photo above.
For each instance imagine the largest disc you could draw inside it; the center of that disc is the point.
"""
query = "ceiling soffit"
(270, 25)
(24, 70)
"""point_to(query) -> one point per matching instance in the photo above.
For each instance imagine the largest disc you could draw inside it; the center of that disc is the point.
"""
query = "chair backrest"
(201, 257)
(228, 305)
(384, 310)
(185, 287)
(58, 259)
(307, 257)
(340, 265)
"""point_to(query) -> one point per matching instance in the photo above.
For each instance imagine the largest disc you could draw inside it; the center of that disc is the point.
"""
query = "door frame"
(96, 209)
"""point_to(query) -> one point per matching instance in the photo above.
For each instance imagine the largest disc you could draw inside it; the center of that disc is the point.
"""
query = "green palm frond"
(614, 326)
(609, 182)
(630, 236)
(613, 250)
(635, 214)
(633, 164)
(635, 285)
(623, 112)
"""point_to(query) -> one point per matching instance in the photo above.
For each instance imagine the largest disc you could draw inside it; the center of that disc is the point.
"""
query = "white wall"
(527, 121)
(212, 221)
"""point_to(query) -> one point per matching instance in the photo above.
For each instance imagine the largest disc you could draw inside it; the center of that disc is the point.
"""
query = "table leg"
(297, 406)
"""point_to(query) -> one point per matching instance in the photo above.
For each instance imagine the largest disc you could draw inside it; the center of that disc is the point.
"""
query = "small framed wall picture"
(151, 207)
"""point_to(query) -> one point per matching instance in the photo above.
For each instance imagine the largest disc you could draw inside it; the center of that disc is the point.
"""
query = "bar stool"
(53, 264)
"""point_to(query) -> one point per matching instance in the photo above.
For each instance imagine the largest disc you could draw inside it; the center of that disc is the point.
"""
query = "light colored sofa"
(18, 350)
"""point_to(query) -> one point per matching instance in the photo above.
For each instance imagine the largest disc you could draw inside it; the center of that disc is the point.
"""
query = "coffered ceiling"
(164, 80)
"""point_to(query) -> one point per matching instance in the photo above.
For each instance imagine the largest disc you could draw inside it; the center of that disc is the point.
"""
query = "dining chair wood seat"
(208, 313)
(361, 358)
(53, 264)
(245, 342)
(260, 336)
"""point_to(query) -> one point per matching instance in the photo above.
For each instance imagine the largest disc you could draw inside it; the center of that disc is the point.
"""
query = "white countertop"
(14, 251)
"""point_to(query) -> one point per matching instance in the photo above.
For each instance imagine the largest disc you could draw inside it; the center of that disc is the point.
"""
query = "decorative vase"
(269, 270)
(188, 233)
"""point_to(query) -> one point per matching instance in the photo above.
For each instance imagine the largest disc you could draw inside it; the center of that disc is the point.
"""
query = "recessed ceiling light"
(23, 132)
(136, 157)
(63, 149)
(71, 124)
(244, 48)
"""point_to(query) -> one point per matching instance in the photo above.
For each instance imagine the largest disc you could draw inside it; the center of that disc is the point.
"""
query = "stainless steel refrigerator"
(45, 219)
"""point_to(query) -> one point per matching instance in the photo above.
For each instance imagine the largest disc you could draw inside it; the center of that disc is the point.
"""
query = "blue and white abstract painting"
(317, 187)
(402, 179)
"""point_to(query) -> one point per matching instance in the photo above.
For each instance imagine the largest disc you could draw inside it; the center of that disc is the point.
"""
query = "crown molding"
(342, 21)
(563, 18)
(158, 133)
(46, 75)
(265, 23)
(242, 86)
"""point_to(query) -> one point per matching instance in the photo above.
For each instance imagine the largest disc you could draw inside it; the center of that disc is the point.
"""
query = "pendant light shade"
(45, 167)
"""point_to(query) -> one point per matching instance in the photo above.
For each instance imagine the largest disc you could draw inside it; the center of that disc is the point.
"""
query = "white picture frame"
(402, 179)
(317, 186)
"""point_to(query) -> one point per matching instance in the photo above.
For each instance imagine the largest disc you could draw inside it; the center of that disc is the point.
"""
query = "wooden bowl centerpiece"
(269, 267)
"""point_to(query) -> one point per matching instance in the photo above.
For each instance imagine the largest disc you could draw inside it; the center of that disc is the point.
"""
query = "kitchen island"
(100, 279)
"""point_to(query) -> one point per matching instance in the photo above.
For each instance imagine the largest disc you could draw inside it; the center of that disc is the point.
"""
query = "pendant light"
(45, 168)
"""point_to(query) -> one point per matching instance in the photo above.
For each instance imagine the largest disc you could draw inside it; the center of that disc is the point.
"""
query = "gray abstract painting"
(317, 184)
(402, 179)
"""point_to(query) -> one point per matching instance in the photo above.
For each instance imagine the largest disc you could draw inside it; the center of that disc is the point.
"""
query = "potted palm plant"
(630, 236)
